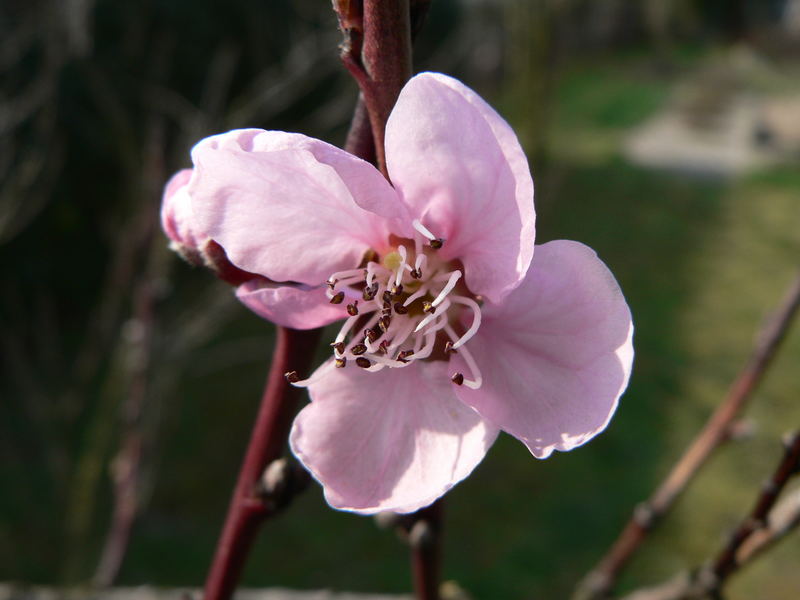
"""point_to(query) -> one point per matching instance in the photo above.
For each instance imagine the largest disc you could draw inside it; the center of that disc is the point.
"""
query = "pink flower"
(453, 328)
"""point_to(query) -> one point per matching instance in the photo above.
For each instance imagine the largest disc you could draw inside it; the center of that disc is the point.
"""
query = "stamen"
(403, 356)
(370, 292)
(340, 363)
(292, 376)
(476, 320)
(428, 307)
(337, 298)
(422, 229)
(346, 274)
(364, 363)
(352, 309)
(451, 283)
(370, 273)
(358, 349)
(457, 378)
(348, 325)
(338, 347)
(400, 309)
(437, 243)
(431, 316)
(398, 276)
(448, 348)
(477, 379)
(418, 294)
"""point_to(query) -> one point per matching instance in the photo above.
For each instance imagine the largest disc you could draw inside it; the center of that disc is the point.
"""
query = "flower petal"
(557, 354)
(459, 167)
(177, 218)
(393, 440)
(298, 307)
(282, 205)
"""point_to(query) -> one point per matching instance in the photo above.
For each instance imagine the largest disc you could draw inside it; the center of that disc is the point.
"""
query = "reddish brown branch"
(603, 577)
(764, 526)
(728, 560)
(294, 350)
(377, 52)
(425, 538)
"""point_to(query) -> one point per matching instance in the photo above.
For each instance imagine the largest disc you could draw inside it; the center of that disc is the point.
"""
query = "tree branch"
(602, 578)
(761, 529)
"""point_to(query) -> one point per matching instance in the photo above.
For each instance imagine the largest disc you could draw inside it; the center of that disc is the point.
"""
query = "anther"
(382, 347)
(364, 363)
(457, 378)
(370, 292)
(337, 298)
(387, 296)
(371, 335)
(416, 273)
(404, 355)
(352, 309)
(448, 348)
(400, 309)
(437, 243)
(384, 322)
(397, 289)
(332, 283)
(292, 376)
(428, 307)
(358, 349)
(340, 363)
(338, 346)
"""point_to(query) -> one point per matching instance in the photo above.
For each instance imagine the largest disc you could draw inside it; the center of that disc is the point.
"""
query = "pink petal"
(393, 440)
(290, 306)
(282, 204)
(177, 218)
(557, 354)
(461, 170)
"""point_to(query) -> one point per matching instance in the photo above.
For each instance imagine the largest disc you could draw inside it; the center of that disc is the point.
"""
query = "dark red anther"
(428, 307)
(437, 243)
(371, 335)
(332, 283)
(352, 309)
(416, 273)
(405, 354)
(338, 346)
(364, 363)
(340, 363)
(397, 289)
(387, 296)
(457, 378)
(292, 376)
(370, 292)
(382, 347)
(448, 348)
(358, 349)
(400, 309)
(337, 298)
(384, 323)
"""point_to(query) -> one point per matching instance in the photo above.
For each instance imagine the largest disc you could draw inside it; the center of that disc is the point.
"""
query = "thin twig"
(425, 538)
(728, 559)
(761, 529)
(602, 578)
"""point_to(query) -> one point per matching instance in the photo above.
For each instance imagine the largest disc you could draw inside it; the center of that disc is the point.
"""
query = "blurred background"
(663, 133)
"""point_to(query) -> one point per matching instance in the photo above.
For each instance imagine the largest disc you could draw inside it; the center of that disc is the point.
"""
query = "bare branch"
(602, 578)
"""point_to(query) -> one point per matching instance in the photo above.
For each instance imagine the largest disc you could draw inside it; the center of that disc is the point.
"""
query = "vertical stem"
(293, 350)
(426, 551)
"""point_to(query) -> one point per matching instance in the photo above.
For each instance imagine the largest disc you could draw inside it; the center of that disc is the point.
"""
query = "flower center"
(401, 308)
